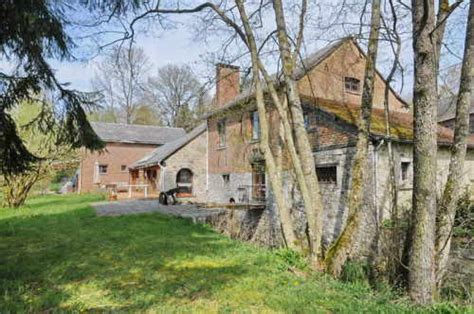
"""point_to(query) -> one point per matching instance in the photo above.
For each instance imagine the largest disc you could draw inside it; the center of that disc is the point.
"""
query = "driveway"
(130, 207)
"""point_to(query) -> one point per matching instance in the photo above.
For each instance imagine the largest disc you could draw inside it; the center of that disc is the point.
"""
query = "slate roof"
(133, 133)
(401, 124)
(447, 108)
(163, 152)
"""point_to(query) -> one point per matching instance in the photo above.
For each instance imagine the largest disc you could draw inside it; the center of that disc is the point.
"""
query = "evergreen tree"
(31, 32)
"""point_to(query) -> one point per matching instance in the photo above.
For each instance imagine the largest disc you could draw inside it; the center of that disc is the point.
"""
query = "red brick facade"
(116, 156)
(228, 83)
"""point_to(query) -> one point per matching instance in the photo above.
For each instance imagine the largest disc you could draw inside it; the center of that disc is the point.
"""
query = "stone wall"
(192, 156)
(221, 192)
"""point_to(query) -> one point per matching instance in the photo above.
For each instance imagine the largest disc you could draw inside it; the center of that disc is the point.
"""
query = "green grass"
(55, 254)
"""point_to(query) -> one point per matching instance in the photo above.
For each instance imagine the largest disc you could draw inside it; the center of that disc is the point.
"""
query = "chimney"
(228, 83)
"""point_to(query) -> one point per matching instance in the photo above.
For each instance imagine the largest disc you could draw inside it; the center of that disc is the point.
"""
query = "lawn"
(55, 254)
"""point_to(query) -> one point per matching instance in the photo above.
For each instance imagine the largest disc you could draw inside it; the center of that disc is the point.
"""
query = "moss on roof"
(401, 124)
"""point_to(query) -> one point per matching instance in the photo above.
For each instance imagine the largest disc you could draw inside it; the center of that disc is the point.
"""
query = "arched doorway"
(184, 182)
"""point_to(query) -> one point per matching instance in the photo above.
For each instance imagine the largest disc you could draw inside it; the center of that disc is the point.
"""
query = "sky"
(183, 44)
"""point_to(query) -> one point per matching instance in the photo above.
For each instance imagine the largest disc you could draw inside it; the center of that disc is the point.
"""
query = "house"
(447, 113)
(125, 143)
(331, 97)
(181, 164)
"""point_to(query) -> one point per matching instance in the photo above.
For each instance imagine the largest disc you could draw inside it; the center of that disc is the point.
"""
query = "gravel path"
(130, 207)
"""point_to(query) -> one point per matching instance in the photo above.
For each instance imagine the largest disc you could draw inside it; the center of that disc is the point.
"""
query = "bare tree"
(447, 206)
(342, 248)
(121, 78)
(421, 256)
(176, 93)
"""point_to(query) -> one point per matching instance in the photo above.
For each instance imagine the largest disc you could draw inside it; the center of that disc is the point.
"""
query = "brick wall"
(116, 155)
(326, 80)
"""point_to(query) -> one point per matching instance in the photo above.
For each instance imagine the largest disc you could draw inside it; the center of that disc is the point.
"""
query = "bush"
(289, 259)
(464, 220)
(355, 272)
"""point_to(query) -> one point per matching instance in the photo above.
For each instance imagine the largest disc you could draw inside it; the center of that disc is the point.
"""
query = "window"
(123, 168)
(226, 179)
(184, 181)
(255, 126)
(404, 167)
(306, 121)
(352, 84)
(103, 169)
(221, 133)
(327, 174)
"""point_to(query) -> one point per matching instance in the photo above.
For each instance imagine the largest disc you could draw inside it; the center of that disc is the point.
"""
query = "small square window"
(327, 174)
(351, 84)
(103, 169)
(123, 168)
(226, 178)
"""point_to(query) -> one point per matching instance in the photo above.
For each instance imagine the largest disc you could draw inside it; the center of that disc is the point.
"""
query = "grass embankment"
(56, 254)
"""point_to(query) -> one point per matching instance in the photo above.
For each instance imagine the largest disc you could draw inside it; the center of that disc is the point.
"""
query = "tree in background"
(121, 79)
(146, 115)
(32, 33)
(51, 155)
(177, 95)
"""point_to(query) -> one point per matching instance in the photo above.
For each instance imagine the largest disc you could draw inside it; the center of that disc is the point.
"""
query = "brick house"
(331, 95)
(181, 164)
(125, 143)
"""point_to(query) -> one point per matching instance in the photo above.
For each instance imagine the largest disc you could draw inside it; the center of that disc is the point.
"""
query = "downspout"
(376, 157)
(162, 175)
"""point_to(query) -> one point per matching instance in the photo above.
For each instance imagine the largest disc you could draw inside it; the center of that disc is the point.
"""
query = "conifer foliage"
(32, 32)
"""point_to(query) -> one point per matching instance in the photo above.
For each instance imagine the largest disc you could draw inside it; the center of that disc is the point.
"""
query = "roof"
(163, 152)
(447, 108)
(401, 124)
(317, 57)
(133, 133)
(302, 69)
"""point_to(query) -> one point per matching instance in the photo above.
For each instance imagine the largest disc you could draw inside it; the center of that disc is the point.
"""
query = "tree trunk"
(271, 166)
(447, 207)
(314, 206)
(342, 248)
(18, 187)
(421, 286)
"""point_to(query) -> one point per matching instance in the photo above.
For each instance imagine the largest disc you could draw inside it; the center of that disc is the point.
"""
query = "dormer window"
(351, 84)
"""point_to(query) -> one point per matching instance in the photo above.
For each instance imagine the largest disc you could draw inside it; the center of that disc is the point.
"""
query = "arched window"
(184, 181)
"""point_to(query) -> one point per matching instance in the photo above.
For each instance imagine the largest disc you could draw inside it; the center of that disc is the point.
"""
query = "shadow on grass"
(75, 260)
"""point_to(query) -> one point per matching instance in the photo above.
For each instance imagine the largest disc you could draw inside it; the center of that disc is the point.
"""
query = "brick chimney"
(227, 83)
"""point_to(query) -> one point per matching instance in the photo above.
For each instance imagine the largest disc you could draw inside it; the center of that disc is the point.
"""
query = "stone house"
(125, 143)
(181, 164)
(447, 114)
(331, 96)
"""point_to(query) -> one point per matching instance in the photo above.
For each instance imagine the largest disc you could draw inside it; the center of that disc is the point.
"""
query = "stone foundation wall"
(221, 192)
